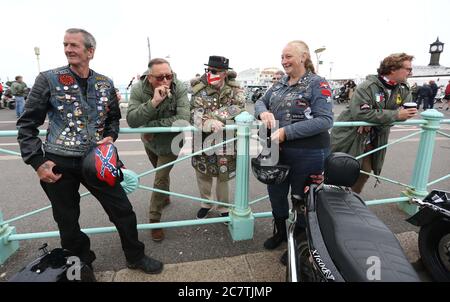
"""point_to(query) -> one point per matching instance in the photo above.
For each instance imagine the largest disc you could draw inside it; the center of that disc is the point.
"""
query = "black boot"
(279, 234)
(148, 265)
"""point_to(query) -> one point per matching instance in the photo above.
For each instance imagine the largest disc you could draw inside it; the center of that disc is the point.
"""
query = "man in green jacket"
(19, 90)
(377, 100)
(158, 100)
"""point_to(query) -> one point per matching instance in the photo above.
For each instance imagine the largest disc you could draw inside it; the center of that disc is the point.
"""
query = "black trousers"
(65, 200)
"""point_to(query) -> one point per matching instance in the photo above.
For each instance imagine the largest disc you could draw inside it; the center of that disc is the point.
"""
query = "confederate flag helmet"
(101, 166)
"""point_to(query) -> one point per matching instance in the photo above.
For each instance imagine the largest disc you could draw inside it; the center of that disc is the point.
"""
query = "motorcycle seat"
(354, 236)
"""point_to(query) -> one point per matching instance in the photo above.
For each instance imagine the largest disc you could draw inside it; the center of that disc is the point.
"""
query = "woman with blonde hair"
(299, 108)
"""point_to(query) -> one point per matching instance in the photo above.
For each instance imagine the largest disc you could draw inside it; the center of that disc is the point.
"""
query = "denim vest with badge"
(292, 104)
(74, 122)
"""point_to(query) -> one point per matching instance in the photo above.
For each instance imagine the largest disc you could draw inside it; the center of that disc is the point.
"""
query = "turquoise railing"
(241, 218)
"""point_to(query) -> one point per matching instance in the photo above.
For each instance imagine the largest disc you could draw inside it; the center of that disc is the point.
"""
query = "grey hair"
(89, 40)
(157, 61)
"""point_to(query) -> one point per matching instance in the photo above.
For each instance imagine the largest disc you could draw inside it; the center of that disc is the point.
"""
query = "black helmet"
(269, 174)
(101, 165)
(265, 170)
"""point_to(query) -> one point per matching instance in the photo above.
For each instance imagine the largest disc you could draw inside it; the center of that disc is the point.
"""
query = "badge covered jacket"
(76, 120)
(207, 104)
(304, 110)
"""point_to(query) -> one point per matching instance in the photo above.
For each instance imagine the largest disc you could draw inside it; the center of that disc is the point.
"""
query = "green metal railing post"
(424, 158)
(242, 219)
(7, 248)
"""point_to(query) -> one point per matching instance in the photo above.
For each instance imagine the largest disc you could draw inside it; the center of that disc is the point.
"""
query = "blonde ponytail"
(303, 48)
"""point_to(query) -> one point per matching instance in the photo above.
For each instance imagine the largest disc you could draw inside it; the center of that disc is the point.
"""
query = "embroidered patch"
(364, 107)
(101, 78)
(379, 97)
(212, 170)
(102, 86)
(399, 100)
(326, 92)
(66, 80)
(324, 85)
(299, 116)
(301, 103)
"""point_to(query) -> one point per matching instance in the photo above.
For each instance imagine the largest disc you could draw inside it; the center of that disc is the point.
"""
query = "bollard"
(7, 248)
(424, 158)
(242, 220)
(130, 181)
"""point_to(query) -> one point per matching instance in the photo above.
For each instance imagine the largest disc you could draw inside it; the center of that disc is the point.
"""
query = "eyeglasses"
(213, 71)
(409, 69)
(161, 78)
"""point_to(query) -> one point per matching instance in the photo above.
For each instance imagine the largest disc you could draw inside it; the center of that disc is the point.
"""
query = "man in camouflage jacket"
(216, 99)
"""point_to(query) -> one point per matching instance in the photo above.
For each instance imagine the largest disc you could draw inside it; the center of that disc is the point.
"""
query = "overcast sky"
(251, 33)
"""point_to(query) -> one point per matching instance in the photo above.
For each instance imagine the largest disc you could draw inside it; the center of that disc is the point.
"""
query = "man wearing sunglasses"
(158, 99)
(216, 99)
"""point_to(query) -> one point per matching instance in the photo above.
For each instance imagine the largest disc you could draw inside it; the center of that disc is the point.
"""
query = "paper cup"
(409, 105)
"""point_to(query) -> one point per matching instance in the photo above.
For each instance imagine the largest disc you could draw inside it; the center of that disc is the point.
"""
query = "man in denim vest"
(82, 109)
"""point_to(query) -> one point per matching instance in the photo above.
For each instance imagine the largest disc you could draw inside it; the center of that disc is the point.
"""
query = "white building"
(256, 76)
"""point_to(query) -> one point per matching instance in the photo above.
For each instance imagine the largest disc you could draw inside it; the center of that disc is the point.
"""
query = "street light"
(331, 68)
(37, 52)
(318, 51)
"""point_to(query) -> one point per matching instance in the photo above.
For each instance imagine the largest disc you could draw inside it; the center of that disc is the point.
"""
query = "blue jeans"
(20, 104)
(302, 162)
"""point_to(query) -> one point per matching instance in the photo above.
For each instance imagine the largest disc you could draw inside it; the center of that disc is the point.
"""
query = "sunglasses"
(213, 71)
(161, 78)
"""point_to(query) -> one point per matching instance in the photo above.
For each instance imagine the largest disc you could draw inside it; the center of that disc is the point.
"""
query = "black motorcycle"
(433, 218)
(344, 241)
(341, 96)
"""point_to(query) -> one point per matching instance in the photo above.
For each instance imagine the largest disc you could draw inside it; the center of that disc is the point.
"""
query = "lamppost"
(37, 52)
(148, 45)
(318, 51)
(331, 68)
